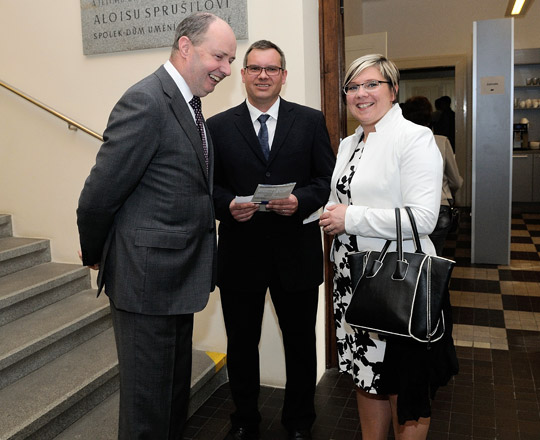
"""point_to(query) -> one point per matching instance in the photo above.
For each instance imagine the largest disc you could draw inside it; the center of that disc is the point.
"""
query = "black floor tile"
(519, 227)
(528, 256)
(526, 240)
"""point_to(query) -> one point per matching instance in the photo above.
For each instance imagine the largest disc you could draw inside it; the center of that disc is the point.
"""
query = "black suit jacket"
(251, 253)
(146, 212)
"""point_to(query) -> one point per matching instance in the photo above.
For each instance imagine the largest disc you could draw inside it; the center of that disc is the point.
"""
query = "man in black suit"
(146, 220)
(444, 120)
(275, 246)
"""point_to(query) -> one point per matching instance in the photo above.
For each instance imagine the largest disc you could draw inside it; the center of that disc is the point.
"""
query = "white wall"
(441, 27)
(43, 165)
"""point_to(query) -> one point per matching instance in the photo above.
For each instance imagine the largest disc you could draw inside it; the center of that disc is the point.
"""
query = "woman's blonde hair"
(387, 68)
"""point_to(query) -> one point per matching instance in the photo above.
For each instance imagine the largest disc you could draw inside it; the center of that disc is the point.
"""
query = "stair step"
(21, 253)
(36, 287)
(208, 374)
(45, 402)
(100, 423)
(33, 340)
(6, 229)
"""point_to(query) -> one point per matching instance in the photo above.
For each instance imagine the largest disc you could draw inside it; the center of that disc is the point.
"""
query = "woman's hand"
(333, 219)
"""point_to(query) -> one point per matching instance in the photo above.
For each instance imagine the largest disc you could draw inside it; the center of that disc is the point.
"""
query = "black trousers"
(296, 312)
(154, 355)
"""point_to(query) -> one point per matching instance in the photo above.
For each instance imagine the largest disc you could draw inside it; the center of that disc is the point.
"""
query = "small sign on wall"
(492, 85)
(123, 25)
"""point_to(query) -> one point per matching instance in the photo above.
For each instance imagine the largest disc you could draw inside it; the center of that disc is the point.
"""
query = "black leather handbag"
(399, 293)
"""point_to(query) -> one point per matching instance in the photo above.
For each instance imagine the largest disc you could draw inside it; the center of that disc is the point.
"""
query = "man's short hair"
(194, 27)
(265, 45)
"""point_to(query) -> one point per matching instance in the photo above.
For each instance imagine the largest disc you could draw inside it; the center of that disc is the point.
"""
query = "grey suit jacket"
(146, 212)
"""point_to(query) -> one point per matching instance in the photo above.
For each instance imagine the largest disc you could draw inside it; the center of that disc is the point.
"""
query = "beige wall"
(43, 165)
(441, 27)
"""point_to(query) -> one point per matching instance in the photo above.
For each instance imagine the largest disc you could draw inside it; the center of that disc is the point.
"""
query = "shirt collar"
(254, 112)
(388, 120)
(179, 81)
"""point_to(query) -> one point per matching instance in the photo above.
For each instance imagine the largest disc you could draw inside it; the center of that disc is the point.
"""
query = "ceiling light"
(517, 7)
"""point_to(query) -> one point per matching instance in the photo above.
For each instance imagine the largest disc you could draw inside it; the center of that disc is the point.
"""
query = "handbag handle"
(416, 237)
(401, 265)
(399, 239)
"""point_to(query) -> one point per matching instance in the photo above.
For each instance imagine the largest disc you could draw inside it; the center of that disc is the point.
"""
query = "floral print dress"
(360, 353)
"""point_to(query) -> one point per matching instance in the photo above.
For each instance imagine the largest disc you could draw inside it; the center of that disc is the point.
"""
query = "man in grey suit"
(146, 220)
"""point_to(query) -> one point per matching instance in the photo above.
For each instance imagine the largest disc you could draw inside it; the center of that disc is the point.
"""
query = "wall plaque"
(122, 25)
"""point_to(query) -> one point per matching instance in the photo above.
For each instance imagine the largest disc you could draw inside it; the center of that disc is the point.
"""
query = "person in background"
(146, 221)
(444, 120)
(387, 163)
(275, 246)
(418, 110)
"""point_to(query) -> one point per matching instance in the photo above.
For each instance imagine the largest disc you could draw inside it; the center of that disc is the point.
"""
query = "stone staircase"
(58, 364)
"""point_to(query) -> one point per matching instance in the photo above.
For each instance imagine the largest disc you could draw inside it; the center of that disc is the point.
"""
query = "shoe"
(299, 434)
(244, 433)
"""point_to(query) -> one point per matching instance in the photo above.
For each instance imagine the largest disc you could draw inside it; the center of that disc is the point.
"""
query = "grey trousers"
(154, 354)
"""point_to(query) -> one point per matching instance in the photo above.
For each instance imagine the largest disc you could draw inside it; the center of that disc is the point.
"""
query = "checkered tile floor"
(490, 302)
(496, 395)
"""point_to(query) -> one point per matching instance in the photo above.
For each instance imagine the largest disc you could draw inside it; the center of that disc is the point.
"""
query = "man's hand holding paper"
(286, 206)
(242, 210)
(277, 198)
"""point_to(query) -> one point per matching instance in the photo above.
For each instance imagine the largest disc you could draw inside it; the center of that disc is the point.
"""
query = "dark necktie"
(197, 108)
(263, 135)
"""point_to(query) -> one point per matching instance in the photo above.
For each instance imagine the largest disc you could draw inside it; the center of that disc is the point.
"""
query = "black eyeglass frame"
(357, 86)
(260, 70)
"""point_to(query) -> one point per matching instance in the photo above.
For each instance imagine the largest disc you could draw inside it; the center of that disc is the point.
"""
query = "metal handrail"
(72, 125)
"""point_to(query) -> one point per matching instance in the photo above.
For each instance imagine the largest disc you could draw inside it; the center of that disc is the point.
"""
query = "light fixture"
(517, 8)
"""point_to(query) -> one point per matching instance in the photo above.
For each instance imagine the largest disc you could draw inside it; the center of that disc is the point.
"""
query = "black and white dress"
(360, 353)
(399, 165)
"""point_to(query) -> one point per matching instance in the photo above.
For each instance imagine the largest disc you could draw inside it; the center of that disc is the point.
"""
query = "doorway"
(429, 82)
(332, 55)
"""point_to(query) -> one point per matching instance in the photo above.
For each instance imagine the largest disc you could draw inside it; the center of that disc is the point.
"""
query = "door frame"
(332, 56)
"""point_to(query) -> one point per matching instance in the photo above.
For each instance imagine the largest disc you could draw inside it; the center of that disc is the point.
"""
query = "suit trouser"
(296, 312)
(154, 355)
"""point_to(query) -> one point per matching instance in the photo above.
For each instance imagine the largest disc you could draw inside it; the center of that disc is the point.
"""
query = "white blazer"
(400, 166)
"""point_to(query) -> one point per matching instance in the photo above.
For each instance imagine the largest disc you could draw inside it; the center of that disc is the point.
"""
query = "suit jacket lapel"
(183, 115)
(285, 121)
(245, 127)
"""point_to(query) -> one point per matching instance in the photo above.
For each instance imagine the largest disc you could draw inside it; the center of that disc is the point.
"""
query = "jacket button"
(268, 174)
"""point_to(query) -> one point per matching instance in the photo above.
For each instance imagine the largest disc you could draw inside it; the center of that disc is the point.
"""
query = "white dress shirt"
(271, 122)
(182, 86)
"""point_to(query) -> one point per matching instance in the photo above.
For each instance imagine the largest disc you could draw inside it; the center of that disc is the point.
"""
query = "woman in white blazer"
(388, 162)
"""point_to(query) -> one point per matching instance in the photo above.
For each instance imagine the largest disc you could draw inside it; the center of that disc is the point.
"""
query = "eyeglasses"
(256, 70)
(368, 86)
